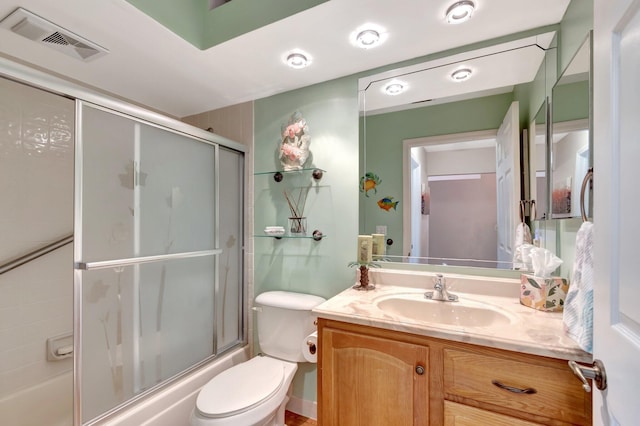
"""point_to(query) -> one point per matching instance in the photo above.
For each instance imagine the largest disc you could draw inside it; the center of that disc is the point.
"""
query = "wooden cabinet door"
(368, 380)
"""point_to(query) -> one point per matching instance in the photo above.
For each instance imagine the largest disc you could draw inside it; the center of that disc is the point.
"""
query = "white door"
(508, 181)
(616, 209)
(416, 204)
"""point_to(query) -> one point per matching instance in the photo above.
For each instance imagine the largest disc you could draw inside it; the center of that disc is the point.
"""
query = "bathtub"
(51, 403)
(172, 406)
(48, 403)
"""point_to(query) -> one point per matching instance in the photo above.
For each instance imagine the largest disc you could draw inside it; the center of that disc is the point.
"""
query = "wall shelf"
(278, 175)
(316, 236)
(296, 202)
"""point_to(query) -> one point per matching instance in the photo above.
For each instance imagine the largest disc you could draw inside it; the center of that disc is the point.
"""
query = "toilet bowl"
(256, 392)
(252, 393)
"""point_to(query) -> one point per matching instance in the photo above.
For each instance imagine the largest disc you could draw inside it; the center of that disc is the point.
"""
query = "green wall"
(575, 25)
(303, 265)
(571, 101)
(331, 110)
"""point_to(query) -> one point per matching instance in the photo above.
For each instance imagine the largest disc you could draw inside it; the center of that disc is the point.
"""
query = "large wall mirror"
(572, 153)
(432, 183)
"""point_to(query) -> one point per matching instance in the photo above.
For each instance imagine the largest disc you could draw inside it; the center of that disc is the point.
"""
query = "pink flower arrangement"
(292, 130)
(291, 151)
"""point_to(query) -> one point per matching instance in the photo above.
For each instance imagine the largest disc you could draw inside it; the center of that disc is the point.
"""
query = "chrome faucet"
(440, 291)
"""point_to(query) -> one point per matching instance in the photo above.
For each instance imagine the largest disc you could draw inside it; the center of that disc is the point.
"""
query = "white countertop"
(530, 331)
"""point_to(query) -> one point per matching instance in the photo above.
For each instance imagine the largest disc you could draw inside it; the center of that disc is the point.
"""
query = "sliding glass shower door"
(152, 267)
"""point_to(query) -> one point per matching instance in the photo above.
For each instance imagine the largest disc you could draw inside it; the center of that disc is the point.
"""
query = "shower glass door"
(148, 257)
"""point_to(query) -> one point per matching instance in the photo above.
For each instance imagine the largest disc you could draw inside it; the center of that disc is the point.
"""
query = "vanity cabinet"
(371, 376)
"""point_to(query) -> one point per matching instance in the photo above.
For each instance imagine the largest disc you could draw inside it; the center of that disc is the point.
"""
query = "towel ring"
(588, 177)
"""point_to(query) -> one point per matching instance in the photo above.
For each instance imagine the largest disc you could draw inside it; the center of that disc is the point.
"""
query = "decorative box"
(544, 294)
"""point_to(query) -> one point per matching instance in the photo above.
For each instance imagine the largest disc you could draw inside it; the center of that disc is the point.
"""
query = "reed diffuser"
(296, 202)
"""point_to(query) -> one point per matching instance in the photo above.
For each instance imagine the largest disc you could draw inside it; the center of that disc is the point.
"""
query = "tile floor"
(293, 419)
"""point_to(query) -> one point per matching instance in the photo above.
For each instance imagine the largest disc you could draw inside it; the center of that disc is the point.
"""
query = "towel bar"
(588, 177)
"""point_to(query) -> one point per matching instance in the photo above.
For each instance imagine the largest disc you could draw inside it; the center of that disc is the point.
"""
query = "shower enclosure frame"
(37, 79)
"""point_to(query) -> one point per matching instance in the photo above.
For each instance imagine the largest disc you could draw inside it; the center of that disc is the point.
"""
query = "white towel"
(523, 236)
(578, 306)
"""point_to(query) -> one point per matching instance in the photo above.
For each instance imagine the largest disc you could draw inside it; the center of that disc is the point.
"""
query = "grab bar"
(21, 260)
(87, 266)
(588, 177)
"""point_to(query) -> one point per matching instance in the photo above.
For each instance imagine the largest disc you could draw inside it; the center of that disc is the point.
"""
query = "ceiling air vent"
(47, 33)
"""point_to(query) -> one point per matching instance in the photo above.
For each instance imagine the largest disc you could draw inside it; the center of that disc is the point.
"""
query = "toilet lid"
(241, 387)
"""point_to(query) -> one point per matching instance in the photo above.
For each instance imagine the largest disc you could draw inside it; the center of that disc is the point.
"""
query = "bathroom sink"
(464, 313)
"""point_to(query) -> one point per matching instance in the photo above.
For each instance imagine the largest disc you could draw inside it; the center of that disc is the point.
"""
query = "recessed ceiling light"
(395, 88)
(460, 11)
(368, 39)
(297, 60)
(461, 74)
(368, 36)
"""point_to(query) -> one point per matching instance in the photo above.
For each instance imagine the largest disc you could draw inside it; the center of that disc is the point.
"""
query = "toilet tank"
(284, 321)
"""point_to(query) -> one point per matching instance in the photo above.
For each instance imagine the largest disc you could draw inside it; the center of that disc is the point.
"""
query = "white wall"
(480, 160)
(36, 189)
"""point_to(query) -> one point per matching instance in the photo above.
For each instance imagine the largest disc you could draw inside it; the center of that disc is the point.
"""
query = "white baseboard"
(302, 407)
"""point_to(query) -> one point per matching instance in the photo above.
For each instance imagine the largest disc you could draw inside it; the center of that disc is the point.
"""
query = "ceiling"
(149, 64)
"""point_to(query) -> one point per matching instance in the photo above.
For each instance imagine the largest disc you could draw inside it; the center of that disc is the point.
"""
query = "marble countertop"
(529, 330)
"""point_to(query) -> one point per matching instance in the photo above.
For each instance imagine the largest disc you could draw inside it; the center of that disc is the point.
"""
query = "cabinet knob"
(420, 370)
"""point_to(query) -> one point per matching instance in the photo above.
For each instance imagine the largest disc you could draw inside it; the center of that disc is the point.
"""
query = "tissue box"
(544, 294)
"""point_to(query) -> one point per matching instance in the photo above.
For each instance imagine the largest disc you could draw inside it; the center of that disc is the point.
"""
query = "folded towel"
(578, 306)
(522, 237)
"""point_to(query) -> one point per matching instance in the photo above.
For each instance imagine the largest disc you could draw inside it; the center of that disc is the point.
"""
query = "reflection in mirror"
(454, 180)
(538, 162)
(571, 153)
(431, 220)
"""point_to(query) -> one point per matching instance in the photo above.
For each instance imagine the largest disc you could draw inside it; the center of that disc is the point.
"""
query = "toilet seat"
(241, 387)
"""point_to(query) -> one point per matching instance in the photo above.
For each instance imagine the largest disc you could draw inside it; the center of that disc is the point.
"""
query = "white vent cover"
(47, 33)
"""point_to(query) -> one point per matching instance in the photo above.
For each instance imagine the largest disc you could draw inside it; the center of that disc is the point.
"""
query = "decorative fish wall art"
(369, 182)
(387, 203)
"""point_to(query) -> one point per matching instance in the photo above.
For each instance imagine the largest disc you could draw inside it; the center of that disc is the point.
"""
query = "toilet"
(256, 392)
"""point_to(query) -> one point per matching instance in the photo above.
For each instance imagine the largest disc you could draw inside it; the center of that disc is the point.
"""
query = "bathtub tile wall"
(36, 188)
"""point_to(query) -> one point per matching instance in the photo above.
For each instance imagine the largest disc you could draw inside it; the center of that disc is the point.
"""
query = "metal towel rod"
(588, 177)
(21, 260)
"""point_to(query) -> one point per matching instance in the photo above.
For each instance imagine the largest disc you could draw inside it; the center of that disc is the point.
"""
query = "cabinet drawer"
(558, 394)
(462, 415)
